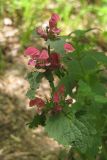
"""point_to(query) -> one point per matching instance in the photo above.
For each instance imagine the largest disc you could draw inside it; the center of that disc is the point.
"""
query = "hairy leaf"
(32, 79)
(55, 44)
(30, 93)
(69, 131)
(37, 120)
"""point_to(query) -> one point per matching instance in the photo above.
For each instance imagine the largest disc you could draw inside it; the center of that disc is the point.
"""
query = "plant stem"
(50, 76)
(49, 50)
(52, 86)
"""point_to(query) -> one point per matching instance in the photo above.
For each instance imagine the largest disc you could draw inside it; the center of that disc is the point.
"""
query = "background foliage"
(75, 14)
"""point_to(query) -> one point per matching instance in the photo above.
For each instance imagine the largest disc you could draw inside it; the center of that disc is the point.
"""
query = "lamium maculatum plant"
(76, 113)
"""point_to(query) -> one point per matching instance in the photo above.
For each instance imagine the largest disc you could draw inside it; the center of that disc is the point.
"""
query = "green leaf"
(75, 70)
(98, 88)
(30, 94)
(86, 93)
(57, 45)
(83, 143)
(58, 127)
(89, 63)
(100, 99)
(32, 77)
(88, 121)
(37, 120)
(80, 33)
(69, 83)
(84, 89)
(99, 57)
(69, 131)
(94, 140)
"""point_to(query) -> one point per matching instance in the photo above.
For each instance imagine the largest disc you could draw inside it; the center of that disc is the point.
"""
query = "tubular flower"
(38, 102)
(53, 21)
(43, 55)
(56, 97)
(32, 52)
(56, 30)
(42, 59)
(54, 60)
(40, 31)
(38, 58)
(57, 108)
(61, 89)
(53, 24)
(51, 30)
(68, 47)
(31, 62)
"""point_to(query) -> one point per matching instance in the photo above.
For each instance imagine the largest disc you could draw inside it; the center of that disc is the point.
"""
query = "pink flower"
(41, 32)
(56, 30)
(38, 58)
(56, 97)
(51, 30)
(42, 63)
(53, 21)
(61, 89)
(31, 62)
(37, 101)
(55, 17)
(58, 94)
(42, 59)
(68, 47)
(32, 52)
(54, 60)
(57, 108)
(43, 55)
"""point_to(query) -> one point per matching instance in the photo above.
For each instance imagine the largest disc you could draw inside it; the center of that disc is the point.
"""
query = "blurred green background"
(18, 20)
(76, 14)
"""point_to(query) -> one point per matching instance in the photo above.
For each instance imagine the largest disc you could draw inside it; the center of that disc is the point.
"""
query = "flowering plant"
(75, 114)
